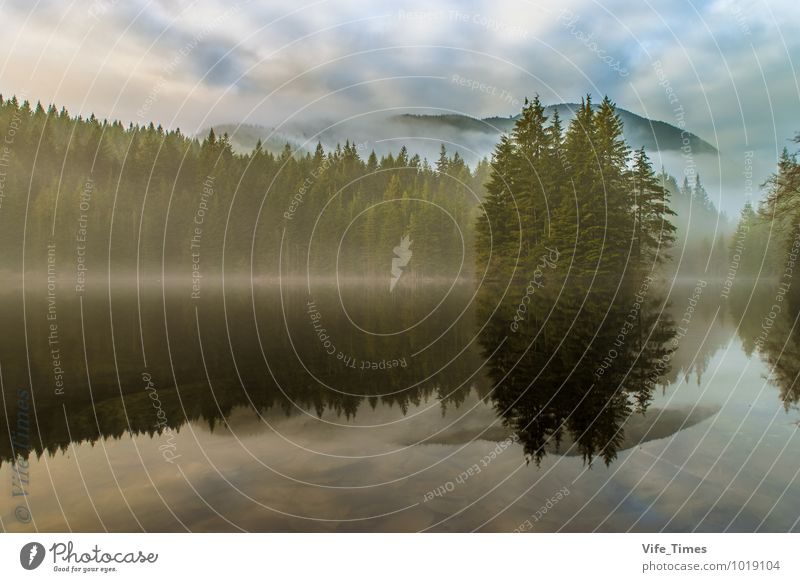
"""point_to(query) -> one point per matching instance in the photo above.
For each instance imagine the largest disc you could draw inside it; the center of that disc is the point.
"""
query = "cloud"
(730, 62)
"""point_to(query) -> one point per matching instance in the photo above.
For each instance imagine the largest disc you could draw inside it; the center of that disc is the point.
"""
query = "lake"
(312, 407)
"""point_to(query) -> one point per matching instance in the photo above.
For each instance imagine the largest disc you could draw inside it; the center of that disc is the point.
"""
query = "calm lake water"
(317, 409)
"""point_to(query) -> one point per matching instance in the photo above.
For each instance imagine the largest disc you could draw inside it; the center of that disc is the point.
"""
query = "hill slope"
(639, 131)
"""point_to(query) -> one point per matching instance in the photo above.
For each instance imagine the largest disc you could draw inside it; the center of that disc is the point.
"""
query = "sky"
(725, 68)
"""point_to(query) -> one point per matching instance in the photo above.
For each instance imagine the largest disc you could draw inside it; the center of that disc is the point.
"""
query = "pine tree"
(577, 218)
(653, 231)
(372, 162)
(441, 163)
(612, 154)
(783, 195)
(529, 166)
(700, 196)
(557, 177)
(686, 189)
(498, 231)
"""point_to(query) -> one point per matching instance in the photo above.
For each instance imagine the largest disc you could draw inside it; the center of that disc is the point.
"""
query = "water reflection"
(314, 409)
(576, 362)
(766, 319)
(291, 350)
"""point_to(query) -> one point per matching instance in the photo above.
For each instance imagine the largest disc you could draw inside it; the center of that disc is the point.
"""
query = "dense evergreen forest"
(565, 233)
(140, 197)
(580, 192)
(764, 246)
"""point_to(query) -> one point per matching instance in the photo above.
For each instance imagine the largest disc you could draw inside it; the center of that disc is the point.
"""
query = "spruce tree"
(612, 154)
(528, 167)
(654, 233)
(701, 200)
(498, 231)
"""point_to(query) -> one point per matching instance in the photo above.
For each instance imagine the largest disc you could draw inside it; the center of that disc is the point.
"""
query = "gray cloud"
(729, 62)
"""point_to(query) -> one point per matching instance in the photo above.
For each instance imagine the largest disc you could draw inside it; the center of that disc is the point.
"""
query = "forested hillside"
(98, 196)
(145, 200)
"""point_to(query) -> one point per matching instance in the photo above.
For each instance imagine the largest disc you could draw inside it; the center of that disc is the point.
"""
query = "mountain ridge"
(663, 136)
(640, 131)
